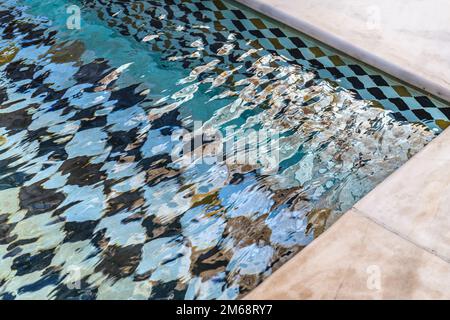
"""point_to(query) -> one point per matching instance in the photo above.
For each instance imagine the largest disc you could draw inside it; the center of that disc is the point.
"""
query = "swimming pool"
(180, 149)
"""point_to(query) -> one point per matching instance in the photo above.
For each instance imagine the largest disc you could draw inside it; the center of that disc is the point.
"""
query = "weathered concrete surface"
(394, 243)
(415, 200)
(409, 39)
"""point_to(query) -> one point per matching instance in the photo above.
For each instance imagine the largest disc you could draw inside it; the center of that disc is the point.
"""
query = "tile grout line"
(387, 228)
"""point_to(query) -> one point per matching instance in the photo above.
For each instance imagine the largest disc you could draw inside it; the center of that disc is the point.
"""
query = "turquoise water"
(180, 149)
(99, 40)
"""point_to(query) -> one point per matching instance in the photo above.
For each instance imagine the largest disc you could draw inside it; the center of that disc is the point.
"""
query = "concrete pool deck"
(395, 242)
(408, 39)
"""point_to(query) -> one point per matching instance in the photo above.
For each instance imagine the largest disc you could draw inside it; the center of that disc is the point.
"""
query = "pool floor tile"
(359, 259)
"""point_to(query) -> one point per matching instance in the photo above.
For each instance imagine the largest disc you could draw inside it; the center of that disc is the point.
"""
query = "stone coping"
(393, 244)
(406, 38)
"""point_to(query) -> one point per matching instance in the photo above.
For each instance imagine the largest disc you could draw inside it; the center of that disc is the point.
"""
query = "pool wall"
(404, 38)
(364, 81)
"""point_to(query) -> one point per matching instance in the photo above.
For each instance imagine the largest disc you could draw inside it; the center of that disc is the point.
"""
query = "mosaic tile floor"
(92, 205)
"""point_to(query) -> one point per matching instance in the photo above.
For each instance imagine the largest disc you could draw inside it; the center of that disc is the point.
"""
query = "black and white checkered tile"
(224, 17)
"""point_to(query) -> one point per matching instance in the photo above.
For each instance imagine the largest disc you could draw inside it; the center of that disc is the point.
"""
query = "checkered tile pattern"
(406, 104)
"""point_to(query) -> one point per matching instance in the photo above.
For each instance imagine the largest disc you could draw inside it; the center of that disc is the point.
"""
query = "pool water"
(115, 177)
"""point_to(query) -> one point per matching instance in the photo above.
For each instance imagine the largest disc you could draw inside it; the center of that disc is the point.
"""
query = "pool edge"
(327, 278)
(354, 51)
(391, 249)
